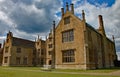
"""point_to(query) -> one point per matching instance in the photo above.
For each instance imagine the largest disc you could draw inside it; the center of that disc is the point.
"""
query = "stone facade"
(49, 48)
(73, 44)
(40, 46)
(18, 52)
(79, 46)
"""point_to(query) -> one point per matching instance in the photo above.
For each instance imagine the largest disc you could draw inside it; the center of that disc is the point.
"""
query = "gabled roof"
(22, 42)
(69, 14)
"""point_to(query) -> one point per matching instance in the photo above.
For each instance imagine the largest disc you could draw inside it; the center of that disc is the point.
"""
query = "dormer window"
(66, 20)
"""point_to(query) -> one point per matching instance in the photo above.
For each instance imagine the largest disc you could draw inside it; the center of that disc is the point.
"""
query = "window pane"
(17, 60)
(67, 20)
(25, 60)
(5, 59)
(68, 56)
(68, 36)
(18, 50)
(6, 49)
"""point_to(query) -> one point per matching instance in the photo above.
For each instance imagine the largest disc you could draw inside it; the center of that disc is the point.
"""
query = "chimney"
(62, 11)
(38, 37)
(101, 25)
(83, 15)
(35, 39)
(72, 8)
(46, 38)
(67, 7)
(0, 45)
(113, 38)
(9, 34)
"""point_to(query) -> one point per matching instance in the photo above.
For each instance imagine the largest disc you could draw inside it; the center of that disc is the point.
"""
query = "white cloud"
(118, 55)
(2, 39)
(27, 18)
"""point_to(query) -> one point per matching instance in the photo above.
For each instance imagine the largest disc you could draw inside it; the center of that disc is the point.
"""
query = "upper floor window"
(50, 39)
(50, 52)
(37, 43)
(50, 45)
(66, 20)
(68, 36)
(5, 59)
(7, 40)
(42, 51)
(34, 52)
(18, 50)
(68, 56)
(6, 49)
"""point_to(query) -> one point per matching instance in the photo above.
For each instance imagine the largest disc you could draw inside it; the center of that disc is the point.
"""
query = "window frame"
(25, 60)
(5, 59)
(67, 20)
(50, 52)
(68, 56)
(18, 50)
(68, 36)
(50, 45)
(6, 49)
(18, 60)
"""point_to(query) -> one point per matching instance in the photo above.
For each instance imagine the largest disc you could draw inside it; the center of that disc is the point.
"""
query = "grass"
(107, 70)
(36, 72)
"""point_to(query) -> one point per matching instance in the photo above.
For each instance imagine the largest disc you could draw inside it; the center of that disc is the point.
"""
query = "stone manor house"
(72, 44)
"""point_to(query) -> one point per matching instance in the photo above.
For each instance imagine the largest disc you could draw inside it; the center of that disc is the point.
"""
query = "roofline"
(24, 39)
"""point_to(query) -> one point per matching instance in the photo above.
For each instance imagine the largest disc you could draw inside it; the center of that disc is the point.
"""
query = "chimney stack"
(62, 11)
(72, 8)
(67, 7)
(100, 20)
(83, 15)
(101, 25)
(38, 37)
(113, 38)
(0, 45)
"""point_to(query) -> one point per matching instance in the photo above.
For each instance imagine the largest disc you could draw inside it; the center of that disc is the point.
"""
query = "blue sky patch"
(93, 2)
(100, 2)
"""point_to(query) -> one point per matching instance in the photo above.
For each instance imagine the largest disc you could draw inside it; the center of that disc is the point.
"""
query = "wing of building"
(79, 46)
(40, 46)
(18, 51)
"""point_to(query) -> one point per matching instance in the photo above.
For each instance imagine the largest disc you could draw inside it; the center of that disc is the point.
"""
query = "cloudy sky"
(29, 18)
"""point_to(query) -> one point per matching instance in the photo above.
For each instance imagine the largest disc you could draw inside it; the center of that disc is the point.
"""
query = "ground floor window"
(42, 61)
(25, 60)
(68, 56)
(17, 60)
(5, 59)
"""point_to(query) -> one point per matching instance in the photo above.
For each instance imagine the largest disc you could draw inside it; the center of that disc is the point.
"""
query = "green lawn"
(90, 71)
(36, 72)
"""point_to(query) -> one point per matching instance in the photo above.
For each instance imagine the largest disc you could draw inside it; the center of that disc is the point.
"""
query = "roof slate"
(22, 42)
